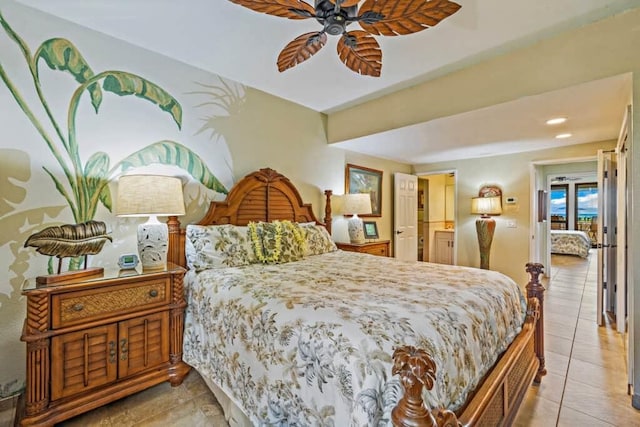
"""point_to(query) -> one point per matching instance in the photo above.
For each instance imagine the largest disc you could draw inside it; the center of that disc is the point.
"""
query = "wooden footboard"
(496, 401)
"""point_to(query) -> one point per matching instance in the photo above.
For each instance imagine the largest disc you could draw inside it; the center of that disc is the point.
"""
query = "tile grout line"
(573, 340)
(584, 287)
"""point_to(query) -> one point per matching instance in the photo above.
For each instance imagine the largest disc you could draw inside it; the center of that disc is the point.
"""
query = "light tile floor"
(586, 384)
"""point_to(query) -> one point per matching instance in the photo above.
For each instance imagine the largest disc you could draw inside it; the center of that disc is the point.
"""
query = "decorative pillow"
(277, 242)
(215, 246)
(318, 240)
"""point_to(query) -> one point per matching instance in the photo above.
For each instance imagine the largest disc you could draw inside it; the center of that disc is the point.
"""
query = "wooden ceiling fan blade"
(291, 9)
(361, 53)
(400, 17)
(346, 3)
(300, 49)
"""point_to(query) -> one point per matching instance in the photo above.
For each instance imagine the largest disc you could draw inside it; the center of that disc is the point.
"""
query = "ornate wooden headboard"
(265, 195)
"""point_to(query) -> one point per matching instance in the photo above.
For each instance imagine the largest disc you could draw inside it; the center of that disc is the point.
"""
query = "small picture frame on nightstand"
(370, 229)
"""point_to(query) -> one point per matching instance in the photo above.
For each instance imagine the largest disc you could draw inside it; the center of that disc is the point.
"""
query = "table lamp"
(355, 204)
(485, 225)
(150, 196)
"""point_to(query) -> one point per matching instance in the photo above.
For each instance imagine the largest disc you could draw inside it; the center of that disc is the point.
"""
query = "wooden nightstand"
(97, 339)
(380, 247)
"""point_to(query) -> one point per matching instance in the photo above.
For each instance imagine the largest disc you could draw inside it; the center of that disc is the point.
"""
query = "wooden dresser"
(380, 247)
(94, 340)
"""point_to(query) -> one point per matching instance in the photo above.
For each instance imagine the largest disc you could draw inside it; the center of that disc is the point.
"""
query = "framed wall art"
(359, 179)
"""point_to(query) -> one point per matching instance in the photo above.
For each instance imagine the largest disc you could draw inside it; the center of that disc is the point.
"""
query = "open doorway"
(436, 217)
(571, 194)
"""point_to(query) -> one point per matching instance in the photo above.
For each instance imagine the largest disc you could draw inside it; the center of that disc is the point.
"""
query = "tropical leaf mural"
(84, 187)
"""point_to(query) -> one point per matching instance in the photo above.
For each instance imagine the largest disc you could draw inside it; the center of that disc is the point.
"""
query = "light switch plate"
(512, 223)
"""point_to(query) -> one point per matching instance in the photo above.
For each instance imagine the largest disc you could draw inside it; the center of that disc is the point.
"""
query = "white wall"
(510, 247)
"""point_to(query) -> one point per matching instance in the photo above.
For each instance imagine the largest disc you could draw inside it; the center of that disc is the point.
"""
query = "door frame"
(540, 243)
(455, 207)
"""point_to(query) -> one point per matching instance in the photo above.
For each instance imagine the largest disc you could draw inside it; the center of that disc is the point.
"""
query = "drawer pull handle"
(112, 352)
(153, 293)
(123, 349)
(78, 307)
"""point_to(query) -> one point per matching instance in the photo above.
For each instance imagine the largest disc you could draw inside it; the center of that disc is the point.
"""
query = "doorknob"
(399, 231)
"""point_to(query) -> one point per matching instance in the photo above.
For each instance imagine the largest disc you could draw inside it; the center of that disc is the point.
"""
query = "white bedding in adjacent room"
(570, 242)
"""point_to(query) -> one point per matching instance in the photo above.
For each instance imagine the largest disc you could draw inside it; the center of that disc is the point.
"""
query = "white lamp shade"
(486, 205)
(145, 195)
(357, 204)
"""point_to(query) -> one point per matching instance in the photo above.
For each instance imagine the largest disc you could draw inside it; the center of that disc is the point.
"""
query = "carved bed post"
(416, 369)
(535, 289)
(327, 210)
(175, 253)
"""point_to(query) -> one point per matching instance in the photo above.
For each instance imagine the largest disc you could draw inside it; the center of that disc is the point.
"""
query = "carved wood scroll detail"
(37, 312)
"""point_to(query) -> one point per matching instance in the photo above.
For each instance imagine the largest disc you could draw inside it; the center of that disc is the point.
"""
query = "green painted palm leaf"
(173, 153)
(96, 172)
(61, 54)
(123, 83)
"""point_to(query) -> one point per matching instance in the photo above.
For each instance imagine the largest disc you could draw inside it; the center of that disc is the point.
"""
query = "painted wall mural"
(80, 168)
(84, 187)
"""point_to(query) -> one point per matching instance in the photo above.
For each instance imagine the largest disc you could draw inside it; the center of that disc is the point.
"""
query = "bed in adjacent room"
(570, 242)
(286, 329)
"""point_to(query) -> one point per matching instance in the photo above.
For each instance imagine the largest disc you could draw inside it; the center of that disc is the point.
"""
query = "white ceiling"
(594, 112)
(242, 45)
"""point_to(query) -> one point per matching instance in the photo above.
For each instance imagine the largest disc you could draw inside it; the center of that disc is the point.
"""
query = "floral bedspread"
(570, 242)
(310, 342)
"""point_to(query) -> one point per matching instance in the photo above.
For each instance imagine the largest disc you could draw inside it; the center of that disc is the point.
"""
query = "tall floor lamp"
(485, 225)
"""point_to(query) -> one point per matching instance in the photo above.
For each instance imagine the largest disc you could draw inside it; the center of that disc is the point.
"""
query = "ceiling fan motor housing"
(334, 19)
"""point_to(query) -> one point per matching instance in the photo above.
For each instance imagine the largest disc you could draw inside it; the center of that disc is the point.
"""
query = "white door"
(607, 240)
(405, 216)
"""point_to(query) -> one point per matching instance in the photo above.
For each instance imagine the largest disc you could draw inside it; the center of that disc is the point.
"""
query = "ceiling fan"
(357, 49)
(565, 178)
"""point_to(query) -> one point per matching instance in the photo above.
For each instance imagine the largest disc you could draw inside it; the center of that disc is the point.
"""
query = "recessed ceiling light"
(563, 135)
(556, 120)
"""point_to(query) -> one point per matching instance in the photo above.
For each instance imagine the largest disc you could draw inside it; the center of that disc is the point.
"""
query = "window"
(586, 205)
(559, 212)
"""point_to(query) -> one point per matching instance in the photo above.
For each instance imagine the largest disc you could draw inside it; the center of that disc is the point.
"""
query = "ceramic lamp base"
(153, 243)
(356, 231)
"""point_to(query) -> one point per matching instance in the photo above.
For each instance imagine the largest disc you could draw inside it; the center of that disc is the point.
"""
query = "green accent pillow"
(277, 242)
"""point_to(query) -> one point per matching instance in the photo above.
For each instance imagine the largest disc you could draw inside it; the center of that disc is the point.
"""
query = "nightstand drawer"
(381, 250)
(83, 306)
